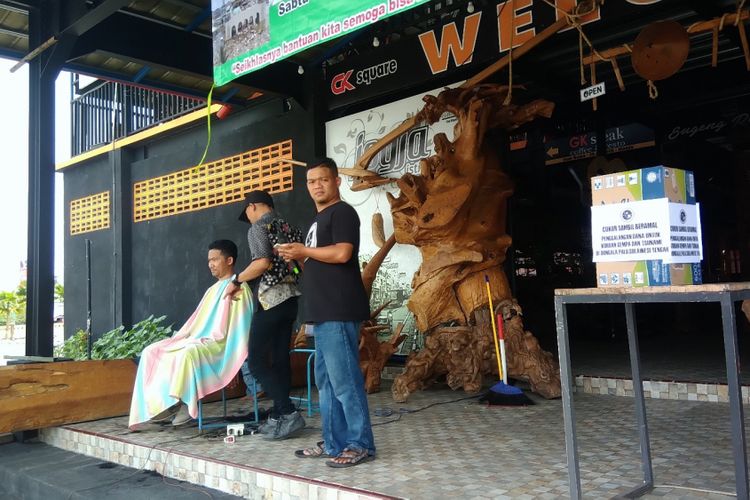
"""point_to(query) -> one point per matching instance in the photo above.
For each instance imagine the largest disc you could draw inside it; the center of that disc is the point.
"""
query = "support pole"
(43, 71)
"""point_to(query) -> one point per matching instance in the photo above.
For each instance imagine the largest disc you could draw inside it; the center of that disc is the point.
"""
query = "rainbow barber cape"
(202, 357)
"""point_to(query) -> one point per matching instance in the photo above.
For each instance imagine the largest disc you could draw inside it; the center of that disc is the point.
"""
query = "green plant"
(121, 344)
(74, 347)
(117, 343)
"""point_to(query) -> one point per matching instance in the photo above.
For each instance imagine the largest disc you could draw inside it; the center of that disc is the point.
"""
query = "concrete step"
(37, 471)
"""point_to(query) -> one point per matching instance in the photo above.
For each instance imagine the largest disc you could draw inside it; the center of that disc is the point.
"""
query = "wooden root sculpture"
(455, 213)
(373, 354)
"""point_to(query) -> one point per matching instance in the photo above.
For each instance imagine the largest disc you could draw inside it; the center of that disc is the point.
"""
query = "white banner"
(646, 230)
(686, 242)
(347, 139)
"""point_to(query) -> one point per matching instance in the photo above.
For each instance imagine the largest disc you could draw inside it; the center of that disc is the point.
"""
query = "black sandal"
(315, 452)
(352, 457)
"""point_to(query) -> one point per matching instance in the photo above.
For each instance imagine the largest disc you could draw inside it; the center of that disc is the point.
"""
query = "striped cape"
(201, 358)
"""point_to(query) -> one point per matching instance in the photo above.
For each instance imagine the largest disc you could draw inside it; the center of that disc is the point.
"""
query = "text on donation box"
(646, 230)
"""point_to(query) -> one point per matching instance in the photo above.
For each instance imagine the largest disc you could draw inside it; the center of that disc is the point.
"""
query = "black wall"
(94, 177)
(159, 266)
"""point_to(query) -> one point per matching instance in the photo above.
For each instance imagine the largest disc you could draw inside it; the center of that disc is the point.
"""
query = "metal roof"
(166, 44)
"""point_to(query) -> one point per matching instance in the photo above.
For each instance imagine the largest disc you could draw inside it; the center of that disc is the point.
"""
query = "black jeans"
(270, 336)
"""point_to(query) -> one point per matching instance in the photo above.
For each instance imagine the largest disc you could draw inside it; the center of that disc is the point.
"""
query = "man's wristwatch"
(236, 282)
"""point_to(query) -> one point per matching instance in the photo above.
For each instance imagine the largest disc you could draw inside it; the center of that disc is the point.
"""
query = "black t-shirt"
(334, 292)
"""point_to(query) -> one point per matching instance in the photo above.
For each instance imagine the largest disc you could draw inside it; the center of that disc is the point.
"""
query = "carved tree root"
(526, 359)
(374, 354)
(463, 354)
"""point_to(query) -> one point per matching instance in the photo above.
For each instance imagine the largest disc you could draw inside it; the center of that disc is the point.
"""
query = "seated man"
(203, 356)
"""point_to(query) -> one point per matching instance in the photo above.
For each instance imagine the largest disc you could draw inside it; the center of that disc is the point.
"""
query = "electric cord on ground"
(698, 490)
(385, 412)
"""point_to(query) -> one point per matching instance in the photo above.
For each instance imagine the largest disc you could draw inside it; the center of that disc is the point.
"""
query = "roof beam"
(7, 30)
(95, 16)
(198, 19)
(18, 6)
(148, 43)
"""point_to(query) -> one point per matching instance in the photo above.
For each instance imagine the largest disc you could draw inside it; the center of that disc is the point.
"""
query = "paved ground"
(467, 450)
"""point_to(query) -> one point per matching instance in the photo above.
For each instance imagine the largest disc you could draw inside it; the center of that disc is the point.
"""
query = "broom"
(501, 393)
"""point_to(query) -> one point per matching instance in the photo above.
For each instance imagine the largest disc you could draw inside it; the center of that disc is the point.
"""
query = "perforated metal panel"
(217, 183)
(90, 213)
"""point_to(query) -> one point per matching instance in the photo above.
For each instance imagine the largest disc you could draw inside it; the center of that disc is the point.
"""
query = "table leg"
(729, 325)
(566, 379)
(640, 405)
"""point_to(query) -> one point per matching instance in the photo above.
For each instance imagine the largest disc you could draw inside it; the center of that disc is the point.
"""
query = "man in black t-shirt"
(335, 301)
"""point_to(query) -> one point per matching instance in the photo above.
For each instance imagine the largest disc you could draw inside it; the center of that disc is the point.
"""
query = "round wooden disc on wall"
(660, 50)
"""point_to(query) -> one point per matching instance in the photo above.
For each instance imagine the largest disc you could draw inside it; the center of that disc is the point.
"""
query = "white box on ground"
(235, 429)
(646, 230)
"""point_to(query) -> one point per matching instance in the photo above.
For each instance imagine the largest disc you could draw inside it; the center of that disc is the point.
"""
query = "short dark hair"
(226, 247)
(324, 163)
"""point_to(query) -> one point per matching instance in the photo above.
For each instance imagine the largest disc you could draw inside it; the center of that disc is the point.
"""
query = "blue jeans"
(248, 378)
(343, 404)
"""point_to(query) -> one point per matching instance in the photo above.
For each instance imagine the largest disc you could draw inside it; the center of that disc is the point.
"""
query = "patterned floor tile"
(462, 449)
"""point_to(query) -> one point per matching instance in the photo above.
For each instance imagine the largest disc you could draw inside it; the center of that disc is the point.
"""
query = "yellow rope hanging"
(653, 92)
(208, 121)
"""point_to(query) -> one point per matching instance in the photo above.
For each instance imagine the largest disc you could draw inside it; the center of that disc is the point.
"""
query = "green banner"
(250, 34)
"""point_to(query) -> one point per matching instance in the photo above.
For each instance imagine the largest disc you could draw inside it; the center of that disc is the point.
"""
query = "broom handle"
(494, 328)
(501, 334)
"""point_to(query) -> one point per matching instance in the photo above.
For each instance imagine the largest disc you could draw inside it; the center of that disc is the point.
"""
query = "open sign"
(593, 91)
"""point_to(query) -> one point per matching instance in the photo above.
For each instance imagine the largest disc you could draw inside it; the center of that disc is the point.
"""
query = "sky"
(14, 133)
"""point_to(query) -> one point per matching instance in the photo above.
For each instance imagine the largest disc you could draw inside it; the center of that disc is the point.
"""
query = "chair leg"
(309, 386)
(224, 400)
(255, 400)
(200, 415)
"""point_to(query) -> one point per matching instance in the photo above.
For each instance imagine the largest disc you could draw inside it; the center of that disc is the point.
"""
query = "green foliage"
(12, 308)
(59, 292)
(121, 344)
(74, 347)
(21, 297)
(118, 343)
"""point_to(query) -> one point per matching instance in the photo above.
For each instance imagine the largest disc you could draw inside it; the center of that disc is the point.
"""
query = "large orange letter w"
(462, 49)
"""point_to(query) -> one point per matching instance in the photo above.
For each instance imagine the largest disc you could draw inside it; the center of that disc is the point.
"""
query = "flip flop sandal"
(353, 458)
(315, 452)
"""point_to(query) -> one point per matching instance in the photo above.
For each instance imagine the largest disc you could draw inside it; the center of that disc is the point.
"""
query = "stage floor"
(448, 449)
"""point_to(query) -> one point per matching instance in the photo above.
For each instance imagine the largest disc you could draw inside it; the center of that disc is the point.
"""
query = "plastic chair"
(311, 407)
(222, 421)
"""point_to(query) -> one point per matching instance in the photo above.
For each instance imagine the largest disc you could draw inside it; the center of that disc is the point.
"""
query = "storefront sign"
(629, 137)
(705, 129)
(646, 230)
(250, 34)
(584, 145)
(347, 139)
(475, 39)
(592, 92)
(570, 148)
